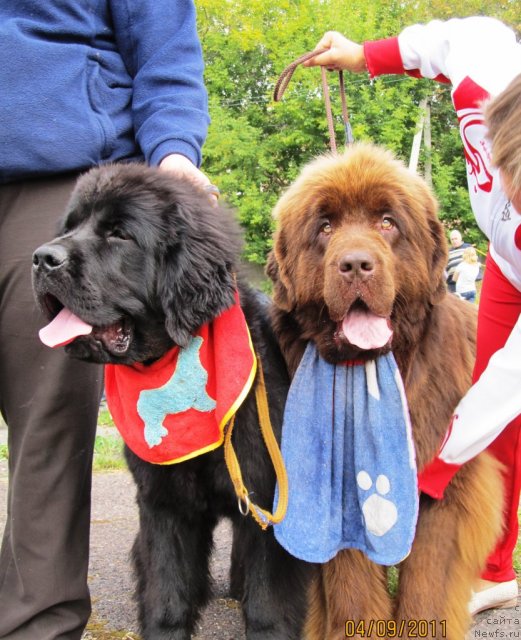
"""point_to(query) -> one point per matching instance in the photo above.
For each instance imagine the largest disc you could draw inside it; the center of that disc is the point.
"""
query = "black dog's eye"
(118, 233)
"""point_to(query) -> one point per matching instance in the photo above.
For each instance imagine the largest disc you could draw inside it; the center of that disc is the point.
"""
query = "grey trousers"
(50, 405)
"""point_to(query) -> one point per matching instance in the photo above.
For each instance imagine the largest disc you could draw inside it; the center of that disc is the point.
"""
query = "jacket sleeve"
(159, 44)
(491, 403)
(449, 51)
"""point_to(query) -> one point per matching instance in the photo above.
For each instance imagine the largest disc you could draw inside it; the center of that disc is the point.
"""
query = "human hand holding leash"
(341, 54)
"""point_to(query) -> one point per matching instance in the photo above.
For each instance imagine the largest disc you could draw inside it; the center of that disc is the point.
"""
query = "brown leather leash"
(284, 79)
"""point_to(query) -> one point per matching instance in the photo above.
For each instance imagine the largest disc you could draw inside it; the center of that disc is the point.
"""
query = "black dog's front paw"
(167, 634)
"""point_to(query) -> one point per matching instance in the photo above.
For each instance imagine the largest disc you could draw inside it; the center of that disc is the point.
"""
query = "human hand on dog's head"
(183, 167)
(341, 54)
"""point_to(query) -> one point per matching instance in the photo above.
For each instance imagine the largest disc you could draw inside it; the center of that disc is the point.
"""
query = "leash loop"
(244, 505)
(282, 84)
(263, 517)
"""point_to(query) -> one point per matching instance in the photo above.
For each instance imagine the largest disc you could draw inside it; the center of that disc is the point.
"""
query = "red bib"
(177, 407)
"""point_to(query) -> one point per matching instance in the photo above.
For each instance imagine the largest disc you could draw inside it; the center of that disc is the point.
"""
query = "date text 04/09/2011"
(393, 629)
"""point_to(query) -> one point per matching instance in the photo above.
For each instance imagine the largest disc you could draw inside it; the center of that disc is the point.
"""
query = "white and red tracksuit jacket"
(479, 56)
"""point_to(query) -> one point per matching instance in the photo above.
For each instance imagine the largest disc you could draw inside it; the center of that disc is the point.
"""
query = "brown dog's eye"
(387, 223)
(326, 228)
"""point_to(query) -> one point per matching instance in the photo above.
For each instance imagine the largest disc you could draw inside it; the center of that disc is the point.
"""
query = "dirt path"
(114, 524)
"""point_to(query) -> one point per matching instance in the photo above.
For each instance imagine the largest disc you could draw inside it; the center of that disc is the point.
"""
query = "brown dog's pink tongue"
(63, 329)
(366, 330)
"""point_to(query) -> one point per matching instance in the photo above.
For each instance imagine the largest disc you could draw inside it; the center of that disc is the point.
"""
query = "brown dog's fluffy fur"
(366, 206)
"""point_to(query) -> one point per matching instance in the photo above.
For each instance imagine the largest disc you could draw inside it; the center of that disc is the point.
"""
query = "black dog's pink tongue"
(63, 329)
(366, 330)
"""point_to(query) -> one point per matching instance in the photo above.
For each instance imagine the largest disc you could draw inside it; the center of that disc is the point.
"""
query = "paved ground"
(114, 523)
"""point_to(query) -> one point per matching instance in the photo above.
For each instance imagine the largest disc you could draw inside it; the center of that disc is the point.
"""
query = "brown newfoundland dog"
(358, 234)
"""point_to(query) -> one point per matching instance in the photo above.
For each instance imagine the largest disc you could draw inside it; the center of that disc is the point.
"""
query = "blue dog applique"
(185, 390)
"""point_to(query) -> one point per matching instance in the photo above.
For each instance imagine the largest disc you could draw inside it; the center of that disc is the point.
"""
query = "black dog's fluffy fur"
(146, 259)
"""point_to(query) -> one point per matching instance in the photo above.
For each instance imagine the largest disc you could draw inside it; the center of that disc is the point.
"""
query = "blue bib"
(348, 449)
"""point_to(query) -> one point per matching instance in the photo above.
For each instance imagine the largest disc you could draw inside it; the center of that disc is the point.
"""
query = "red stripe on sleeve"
(435, 476)
(383, 56)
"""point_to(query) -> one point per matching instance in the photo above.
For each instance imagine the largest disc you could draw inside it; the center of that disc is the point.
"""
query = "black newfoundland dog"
(145, 260)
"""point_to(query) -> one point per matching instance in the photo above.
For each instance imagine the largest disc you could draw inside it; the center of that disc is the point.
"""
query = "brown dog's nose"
(49, 256)
(357, 264)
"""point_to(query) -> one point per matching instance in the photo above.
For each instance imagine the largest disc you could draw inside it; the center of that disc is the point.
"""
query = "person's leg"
(499, 309)
(50, 405)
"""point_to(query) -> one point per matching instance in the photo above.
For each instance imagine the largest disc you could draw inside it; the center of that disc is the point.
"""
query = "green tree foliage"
(256, 147)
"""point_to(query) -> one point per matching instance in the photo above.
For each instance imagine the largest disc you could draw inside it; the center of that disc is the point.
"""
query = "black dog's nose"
(50, 256)
(357, 264)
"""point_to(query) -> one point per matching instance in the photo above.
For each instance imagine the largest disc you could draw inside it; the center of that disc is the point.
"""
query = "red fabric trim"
(383, 56)
(517, 237)
(415, 73)
(435, 476)
(468, 99)
(469, 94)
(351, 363)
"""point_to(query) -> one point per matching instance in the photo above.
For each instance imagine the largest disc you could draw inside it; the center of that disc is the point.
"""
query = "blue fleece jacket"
(84, 82)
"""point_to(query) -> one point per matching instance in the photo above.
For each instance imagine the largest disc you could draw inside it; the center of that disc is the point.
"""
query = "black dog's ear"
(186, 299)
(195, 281)
(280, 292)
(177, 323)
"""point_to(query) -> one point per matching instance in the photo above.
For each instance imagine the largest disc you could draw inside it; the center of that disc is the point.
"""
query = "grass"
(108, 453)
(517, 555)
(104, 418)
(108, 447)
(97, 630)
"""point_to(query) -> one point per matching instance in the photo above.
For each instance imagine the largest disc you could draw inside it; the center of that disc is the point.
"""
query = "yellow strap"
(263, 517)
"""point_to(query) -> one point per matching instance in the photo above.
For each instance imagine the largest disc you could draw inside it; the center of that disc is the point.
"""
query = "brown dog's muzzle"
(359, 268)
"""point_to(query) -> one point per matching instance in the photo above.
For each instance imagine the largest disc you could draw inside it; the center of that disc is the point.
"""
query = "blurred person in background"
(456, 248)
(466, 273)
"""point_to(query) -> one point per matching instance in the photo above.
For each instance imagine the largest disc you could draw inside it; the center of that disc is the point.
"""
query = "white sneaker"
(501, 596)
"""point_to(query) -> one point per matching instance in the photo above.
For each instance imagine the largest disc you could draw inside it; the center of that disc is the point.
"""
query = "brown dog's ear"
(424, 198)
(272, 268)
(280, 293)
(439, 261)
